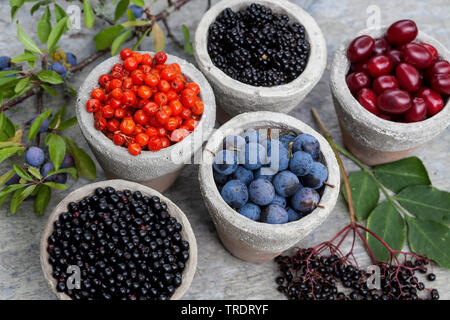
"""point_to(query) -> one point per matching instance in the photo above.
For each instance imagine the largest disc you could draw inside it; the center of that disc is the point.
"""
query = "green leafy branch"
(412, 209)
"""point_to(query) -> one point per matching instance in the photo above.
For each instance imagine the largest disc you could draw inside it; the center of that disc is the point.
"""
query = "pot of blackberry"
(115, 240)
(139, 113)
(268, 180)
(269, 63)
(390, 89)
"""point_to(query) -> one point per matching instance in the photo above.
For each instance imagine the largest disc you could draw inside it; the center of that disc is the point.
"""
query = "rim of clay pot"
(187, 232)
(309, 77)
(339, 70)
(262, 120)
(97, 138)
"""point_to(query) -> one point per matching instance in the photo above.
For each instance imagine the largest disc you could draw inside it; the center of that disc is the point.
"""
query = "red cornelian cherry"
(408, 77)
(434, 53)
(394, 101)
(380, 65)
(418, 111)
(441, 83)
(360, 48)
(384, 116)
(432, 99)
(360, 67)
(356, 81)
(381, 46)
(440, 66)
(417, 56)
(368, 99)
(396, 56)
(383, 83)
(402, 32)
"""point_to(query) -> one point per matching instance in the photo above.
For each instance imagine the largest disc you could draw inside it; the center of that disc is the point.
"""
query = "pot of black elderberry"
(260, 55)
(125, 240)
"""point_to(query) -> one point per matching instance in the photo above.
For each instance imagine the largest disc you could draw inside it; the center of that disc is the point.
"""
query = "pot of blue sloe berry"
(118, 240)
(268, 180)
(260, 55)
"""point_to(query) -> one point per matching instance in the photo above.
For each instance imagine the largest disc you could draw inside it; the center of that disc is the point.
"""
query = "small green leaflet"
(89, 17)
(365, 194)
(27, 41)
(20, 86)
(60, 13)
(140, 3)
(159, 40)
(6, 176)
(187, 39)
(105, 38)
(44, 26)
(56, 33)
(28, 56)
(121, 7)
(18, 198)
(50, 76)
(42, 199)
(403, 173)
(84, 163)
(56, 148)
(36, 126)
(9, 152)
(119, 41)
(57, 186)
(49, 90)
(22, 173)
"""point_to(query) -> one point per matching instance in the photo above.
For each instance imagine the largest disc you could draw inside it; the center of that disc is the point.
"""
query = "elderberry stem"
(329, 138)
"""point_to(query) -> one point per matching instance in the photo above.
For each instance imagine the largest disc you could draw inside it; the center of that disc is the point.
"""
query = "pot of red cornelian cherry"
(390, 89)
(140, 113)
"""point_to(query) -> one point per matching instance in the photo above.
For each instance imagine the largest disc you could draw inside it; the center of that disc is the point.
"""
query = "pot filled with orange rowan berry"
(144, 115)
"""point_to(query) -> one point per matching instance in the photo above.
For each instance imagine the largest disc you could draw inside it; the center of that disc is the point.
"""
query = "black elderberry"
(110, 237)
(257, 46)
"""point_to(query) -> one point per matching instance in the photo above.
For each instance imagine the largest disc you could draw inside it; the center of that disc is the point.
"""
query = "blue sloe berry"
(68, 161)
(235, 194)
(14, 180)
(305, 200)
(276, 149)
(59, 178)
(244, 175)
(137, 11)
(274, 214)
(234, 143)
(286, 139)
(4, 62)
(316, 176)
(35, 156)
(225, 162)
(307, 143)
(251, 136)
(293, 215)
(71, 58)
(59, 68)
(47, 168)
(261, 173)
(301, 163)
(220, 178)
(279, 200)
(261, 192)
(253, 156)
(251, 211)
(286, 183)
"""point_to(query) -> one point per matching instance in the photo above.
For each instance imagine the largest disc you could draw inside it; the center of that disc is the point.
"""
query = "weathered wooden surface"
(219, 275)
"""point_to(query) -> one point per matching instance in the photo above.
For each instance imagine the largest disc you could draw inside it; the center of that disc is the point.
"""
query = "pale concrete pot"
(368, 137)
(255, 241)
(157, 170)
(234, 97)
(75, 196)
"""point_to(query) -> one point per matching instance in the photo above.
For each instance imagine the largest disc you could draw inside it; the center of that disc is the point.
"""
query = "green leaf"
(27, 41)
(130, 15)
(57, 186)
(365, 194)
(49, 90)
(137, 23)
(50, 76)
(89, 17)
(136, 46)
(186, 33)
(36, 126)
(386, 222)
(60, 13)
(67, 123)
(8, 189)
(58, 117)
(36, 7)
(56, 148)
(9, 152)
(21, 84)
(35, 172)
(403, 173)
(7, 126)
(426, 203)
(18, 198)
(56, 33)
(27, 56)
(8, 73)
(159, 40)
(42, 199)
(119, 41)
(121, 7)
(22, 173)
(430, 239)
(44, 26)
(105, 38)
(140, 3)
(84, 163)
(6, 176)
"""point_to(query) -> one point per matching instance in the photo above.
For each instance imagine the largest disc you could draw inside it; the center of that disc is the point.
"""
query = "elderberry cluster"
(126, 245)
(309, 276)
(257, 46)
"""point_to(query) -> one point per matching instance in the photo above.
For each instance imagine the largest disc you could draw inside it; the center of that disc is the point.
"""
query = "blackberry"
(121, 254)
(258, 47)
